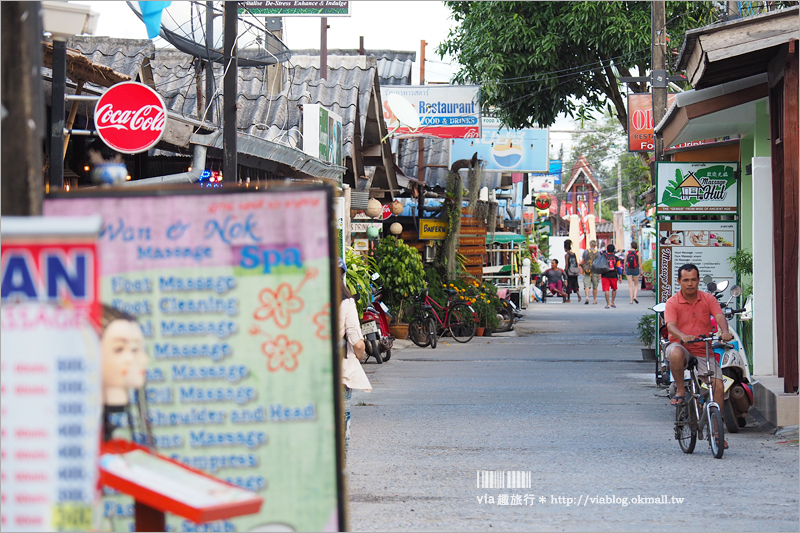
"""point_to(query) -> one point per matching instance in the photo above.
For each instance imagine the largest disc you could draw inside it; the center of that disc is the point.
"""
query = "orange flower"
(322, 320)
(281, 352)
(279, 305)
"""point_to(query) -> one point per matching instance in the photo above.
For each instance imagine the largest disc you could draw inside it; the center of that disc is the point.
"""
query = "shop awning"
(726, 109)
(504, 238)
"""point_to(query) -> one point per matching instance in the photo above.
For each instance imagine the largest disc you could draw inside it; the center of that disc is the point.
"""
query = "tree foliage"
(536, 60)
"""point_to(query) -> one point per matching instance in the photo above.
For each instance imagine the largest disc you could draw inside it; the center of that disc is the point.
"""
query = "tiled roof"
(394, 67)
(123, 55)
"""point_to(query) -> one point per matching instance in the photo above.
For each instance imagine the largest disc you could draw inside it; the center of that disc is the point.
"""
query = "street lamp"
(62, 21)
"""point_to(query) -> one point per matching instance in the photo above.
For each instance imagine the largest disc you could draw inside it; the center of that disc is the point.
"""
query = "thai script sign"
(233, 292)
(50, 375)
(505, 150)
(707, 245)
(446, 111)
(130, 117)
(296, 8)
(691, 188)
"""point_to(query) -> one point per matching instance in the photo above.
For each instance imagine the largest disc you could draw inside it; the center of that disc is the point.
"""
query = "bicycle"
(689, 421)
(426, 326)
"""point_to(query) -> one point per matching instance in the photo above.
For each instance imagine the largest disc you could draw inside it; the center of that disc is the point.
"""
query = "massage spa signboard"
(696, 188)
(707, 245)
(233, 291)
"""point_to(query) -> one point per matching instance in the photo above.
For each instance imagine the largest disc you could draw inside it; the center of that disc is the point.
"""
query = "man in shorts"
(688, 315)
(588, 277)
(609, 279)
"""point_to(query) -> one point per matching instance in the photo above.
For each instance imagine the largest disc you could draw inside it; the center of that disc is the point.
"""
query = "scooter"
(507, 313)
(375, 326)
(733, 361)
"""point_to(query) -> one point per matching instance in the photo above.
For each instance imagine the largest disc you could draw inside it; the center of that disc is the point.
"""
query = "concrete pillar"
(765, 358)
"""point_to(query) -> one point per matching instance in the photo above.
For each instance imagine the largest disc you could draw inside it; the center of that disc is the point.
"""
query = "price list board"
(50, 393)
(233, 290)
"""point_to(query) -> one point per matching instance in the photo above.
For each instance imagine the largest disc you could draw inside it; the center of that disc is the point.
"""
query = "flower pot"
(479, 331)
(487, 332)
(399, 331)
(649, 354)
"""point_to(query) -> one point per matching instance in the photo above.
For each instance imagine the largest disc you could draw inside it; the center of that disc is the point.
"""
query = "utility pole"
(659, 79)
(323, 49)
(230, 89)
(421, 141)
(209, 110)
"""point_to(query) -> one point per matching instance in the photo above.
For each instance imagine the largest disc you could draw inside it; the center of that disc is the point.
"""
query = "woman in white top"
(353, 376)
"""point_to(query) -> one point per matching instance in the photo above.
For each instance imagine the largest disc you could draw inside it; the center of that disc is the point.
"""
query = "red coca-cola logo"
(130, 117)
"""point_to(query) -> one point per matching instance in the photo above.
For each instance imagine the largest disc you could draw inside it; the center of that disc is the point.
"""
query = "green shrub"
(403, 276)
(646, 327)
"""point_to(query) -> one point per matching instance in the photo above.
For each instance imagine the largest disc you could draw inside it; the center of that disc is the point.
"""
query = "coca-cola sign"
(130, 117)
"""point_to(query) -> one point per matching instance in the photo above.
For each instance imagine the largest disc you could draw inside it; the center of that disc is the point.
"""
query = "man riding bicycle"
(688, 316)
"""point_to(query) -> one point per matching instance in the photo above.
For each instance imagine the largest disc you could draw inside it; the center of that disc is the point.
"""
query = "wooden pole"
(230, 85)
(421, 142)
(323, 49)
(659, 51)
(72, 114)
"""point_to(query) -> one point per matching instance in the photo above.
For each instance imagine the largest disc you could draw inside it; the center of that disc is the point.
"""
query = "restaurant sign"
(445, 111)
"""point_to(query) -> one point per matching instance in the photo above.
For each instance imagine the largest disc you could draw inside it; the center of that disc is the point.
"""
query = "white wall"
(764, 355)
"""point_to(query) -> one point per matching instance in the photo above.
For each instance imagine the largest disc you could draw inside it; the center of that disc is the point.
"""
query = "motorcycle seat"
(722, 345)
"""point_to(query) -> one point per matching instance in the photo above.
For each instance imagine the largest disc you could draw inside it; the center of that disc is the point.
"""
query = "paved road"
(570, 401)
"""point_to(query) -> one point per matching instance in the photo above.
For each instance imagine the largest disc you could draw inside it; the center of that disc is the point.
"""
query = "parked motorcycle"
(735, 367)
(507, 313)
(375, 326)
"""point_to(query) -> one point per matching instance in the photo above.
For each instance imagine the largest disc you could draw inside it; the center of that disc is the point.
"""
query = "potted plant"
(646, 328)
(403, 278)
(483, 298)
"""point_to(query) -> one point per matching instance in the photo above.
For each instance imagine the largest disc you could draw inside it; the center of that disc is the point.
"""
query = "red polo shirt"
(692, 318)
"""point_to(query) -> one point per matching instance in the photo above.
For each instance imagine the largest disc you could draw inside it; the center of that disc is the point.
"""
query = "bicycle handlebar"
(709, 338)
(737, 311)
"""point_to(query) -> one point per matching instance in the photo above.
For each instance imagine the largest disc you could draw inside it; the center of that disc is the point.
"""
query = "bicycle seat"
(450, 292)
(692, 364)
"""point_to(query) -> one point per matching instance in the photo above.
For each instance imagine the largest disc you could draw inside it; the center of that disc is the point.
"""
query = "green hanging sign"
(696, 188)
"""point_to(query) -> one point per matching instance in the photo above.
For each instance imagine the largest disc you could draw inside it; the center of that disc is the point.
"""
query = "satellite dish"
(404, 111)
(256, 45)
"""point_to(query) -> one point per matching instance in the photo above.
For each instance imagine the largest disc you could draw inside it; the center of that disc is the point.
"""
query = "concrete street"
(567, 398)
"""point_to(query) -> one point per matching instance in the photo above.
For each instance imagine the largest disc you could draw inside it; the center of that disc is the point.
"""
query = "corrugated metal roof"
(123, 55)
(394, 67)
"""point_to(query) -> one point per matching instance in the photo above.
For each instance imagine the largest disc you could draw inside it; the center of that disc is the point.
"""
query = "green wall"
(756, 145)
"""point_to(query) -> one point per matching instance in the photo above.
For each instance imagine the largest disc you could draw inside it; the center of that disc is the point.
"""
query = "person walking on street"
(609, 279)
(633, 261)
(555, 279)
(590, 278)
(572, 269)
(353, 375)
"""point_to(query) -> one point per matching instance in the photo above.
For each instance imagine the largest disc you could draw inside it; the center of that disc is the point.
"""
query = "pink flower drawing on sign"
(279, 304)
(281, 353)
(322, 320)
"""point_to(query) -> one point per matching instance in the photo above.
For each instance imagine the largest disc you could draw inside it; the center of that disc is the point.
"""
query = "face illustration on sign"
(124, 360)
(130, 117)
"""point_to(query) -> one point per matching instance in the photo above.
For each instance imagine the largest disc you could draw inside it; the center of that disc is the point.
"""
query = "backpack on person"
(572, 265)
(631, 260)
(601, 264)
(613, 261)
(591, 255)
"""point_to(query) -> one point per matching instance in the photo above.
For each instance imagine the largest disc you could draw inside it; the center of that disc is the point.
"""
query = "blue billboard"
(505, 150)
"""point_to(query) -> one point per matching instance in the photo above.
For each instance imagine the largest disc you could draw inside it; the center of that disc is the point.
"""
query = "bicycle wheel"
(685, 429)
(716, 432)
(432, 332)
(461, 323)
(418, 333)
